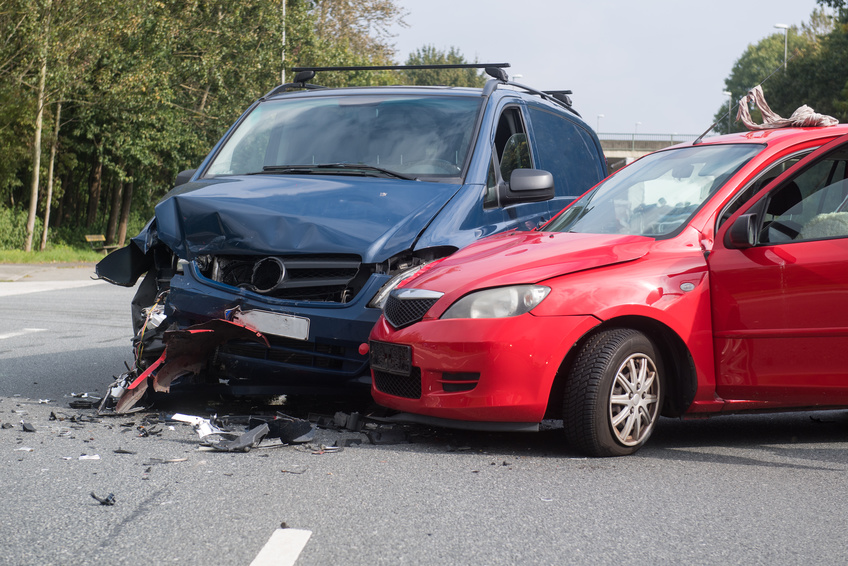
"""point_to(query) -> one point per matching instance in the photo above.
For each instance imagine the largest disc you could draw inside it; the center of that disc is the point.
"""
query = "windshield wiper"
(362, 168)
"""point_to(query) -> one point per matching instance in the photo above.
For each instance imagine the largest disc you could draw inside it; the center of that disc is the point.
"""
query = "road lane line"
(23, 332)
(283, 548)
(24, 287)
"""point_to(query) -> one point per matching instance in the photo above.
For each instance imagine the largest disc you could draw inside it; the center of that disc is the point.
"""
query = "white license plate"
(285, 325)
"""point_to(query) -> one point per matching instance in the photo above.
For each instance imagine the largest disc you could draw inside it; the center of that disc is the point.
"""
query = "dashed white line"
(25, 287)
(283, 548)
(22, 332)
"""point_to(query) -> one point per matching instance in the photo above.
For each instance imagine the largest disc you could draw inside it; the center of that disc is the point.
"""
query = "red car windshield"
(657, 194)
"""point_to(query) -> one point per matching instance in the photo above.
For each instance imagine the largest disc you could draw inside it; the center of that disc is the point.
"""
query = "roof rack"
(494, 70)
(406, 67)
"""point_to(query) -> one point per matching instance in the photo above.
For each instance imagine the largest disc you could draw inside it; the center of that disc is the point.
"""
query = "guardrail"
(642, 142)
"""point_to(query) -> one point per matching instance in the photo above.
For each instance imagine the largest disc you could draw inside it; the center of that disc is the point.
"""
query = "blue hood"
(372, 217)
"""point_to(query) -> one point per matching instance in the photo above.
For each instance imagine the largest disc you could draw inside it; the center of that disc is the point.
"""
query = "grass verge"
(53, 254)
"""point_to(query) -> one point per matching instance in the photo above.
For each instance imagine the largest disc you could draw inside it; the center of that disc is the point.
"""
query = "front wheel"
(613, 393)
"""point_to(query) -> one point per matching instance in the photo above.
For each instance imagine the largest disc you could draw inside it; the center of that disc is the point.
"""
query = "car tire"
(613, 393)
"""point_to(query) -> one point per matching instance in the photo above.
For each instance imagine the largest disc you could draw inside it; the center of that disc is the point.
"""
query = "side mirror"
(184, 177)
(526, 185)
(742, 234)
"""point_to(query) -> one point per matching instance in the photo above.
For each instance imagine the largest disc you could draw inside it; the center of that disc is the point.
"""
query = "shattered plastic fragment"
(90, 457)
(294, 470)
(327, 449)
(153, 461)
(23, 449)
(243, 443)
(108, 500)
(27, 427)
(122, 451)
(204, 427)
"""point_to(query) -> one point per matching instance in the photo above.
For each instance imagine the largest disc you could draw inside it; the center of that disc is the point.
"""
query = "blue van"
(315, 205)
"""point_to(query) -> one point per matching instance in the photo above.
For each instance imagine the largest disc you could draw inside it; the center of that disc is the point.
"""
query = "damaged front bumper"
(186, 351)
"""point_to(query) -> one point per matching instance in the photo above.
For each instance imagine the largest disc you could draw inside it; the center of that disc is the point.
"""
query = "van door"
(512, 149)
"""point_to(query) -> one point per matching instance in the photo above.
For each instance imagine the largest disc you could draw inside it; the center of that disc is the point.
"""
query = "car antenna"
(726, 114)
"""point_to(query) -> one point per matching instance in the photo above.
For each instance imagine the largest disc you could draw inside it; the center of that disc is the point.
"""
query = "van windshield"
(408, 135)
(656, 195)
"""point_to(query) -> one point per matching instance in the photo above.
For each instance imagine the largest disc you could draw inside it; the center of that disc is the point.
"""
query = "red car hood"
(527, 257)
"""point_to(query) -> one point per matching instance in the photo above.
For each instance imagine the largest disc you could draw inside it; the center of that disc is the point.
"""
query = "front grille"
(408, 387)
(401, 312)
(293, 352)
(325, 278)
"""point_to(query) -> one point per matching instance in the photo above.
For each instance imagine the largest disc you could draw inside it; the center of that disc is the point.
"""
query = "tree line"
(102, 103)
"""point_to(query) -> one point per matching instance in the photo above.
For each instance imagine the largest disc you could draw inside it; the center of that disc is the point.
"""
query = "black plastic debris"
(122, 451)
(243, 443)
(144, 432)
(108, 500)
(84, 401)
(289, 430)
(27, 427)
(7, 425)
(387, 436)
(351, 421)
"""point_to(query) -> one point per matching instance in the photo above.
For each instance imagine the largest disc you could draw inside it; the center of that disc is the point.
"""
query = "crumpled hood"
(374, 218)
(527, 257)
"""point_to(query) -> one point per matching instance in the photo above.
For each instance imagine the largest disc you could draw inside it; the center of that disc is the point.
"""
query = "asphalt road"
(739, 490)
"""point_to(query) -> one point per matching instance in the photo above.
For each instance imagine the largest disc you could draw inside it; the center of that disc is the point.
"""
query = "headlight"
(498, 303)
(379, 300)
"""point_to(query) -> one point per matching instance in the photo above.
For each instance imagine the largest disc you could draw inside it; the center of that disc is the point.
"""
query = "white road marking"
(24, 287)
(23, 332)
(283, 548)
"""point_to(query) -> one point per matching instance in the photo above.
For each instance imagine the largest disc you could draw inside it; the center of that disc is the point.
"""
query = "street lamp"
(598, 122)
(729, 96)
(785, 29)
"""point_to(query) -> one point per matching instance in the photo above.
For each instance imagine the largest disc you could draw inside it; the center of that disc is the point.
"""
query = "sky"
(661, 63)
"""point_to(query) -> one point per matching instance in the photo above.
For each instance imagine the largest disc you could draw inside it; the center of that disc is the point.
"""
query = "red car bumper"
(492, 370)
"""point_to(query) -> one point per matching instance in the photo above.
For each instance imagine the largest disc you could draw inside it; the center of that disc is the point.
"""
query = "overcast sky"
(658, 62)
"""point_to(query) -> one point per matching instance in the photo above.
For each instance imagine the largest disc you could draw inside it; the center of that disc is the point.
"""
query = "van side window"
(566, 150)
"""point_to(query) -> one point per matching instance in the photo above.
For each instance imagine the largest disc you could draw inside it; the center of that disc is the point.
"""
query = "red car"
(708, 278)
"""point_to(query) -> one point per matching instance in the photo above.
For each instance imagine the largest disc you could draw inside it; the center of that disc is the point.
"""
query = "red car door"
(779, 290)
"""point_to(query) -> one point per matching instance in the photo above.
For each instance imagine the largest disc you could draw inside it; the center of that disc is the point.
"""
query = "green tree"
(429, 55)
(816, 74)
(144, 89)
(760, 63)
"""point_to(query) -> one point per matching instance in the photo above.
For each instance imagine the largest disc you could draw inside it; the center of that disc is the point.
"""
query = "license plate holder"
(391, 358)
(275, 324)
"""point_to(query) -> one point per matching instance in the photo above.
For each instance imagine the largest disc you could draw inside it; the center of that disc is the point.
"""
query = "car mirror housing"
(526, 185)
(742, 233)
(184, 177)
